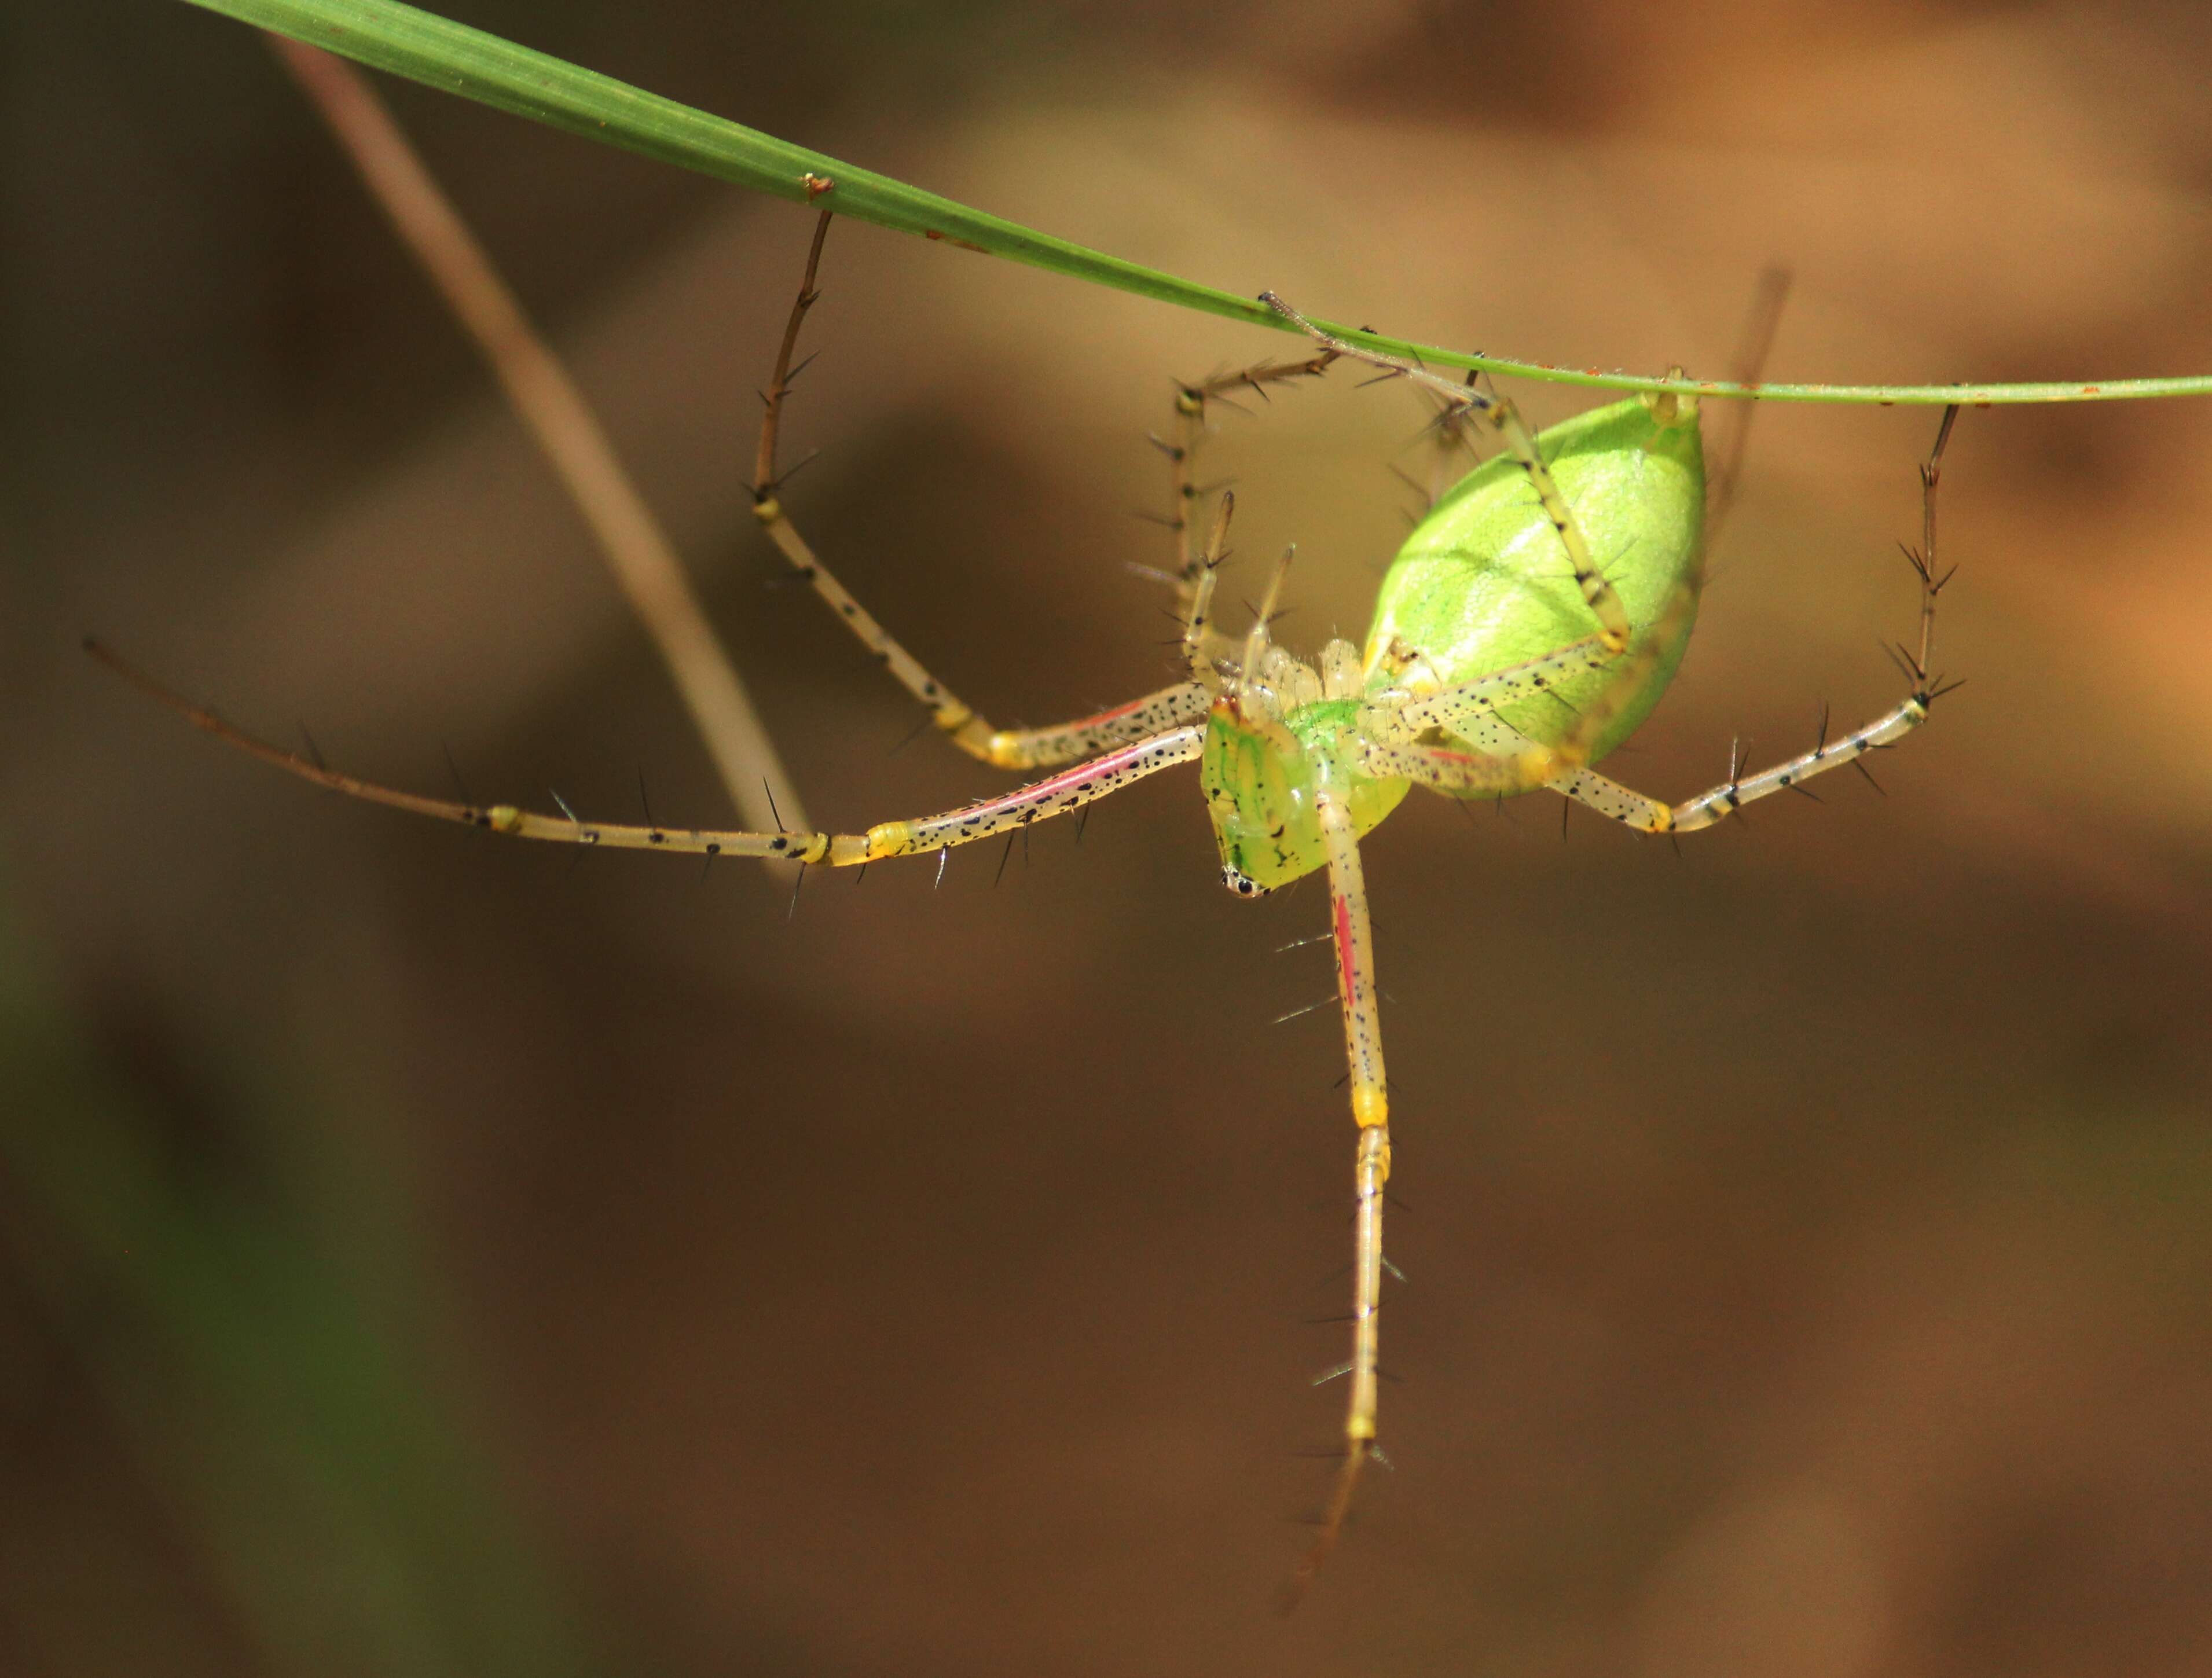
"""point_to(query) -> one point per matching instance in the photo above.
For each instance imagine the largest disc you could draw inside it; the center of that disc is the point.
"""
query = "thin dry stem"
(638, 552)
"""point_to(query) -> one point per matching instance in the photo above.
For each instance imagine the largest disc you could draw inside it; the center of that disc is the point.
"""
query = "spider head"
(1261, 770)
(1240, 883)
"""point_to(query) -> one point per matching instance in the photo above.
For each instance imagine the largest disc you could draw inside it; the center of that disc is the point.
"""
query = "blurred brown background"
(428, 1254)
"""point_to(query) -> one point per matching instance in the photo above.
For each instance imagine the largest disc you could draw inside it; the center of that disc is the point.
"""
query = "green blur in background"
(422, 1255)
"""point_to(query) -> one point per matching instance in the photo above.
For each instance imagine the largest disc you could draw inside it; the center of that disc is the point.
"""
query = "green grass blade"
(439, 53)
(460, 60)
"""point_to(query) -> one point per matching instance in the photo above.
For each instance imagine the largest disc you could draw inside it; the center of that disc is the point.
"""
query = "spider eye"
(1242, 884)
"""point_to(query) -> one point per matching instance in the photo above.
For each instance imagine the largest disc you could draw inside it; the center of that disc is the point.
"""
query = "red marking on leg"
(1118, 712)
(1102, 769)
(1344, 947)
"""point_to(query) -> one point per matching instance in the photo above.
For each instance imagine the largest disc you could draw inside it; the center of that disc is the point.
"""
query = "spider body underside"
(1476, 590)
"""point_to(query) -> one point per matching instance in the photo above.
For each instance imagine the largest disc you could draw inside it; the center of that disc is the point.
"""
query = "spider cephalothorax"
(1262, 771)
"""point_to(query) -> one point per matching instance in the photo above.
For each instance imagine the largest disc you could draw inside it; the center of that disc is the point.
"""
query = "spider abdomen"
(1483, 583)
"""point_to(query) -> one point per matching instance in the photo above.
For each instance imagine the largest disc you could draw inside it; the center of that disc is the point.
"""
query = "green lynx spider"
(1492, 669)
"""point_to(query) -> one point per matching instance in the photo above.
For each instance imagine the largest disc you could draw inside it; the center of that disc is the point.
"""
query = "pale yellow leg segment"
(1625, 806)
(1192, 402)
(1055, 796)
(1203, 644)
(1456, 770)
(1005, 749)
(1507, 762)
(1450, 708)
(1500, 417)
(1610, 798)
(1264, 713)
(1370, 1111)
(1198, 603)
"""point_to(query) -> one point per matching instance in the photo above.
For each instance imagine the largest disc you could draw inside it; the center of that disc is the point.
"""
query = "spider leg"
(1192, 404)
(1497, 415)
(1649, 815)
(1498, 759)
(1370, 1111)
(1055, 796)
(1453, 709)
(1005, 749)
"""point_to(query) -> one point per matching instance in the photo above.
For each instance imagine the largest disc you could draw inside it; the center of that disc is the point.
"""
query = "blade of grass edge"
(438, 52)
